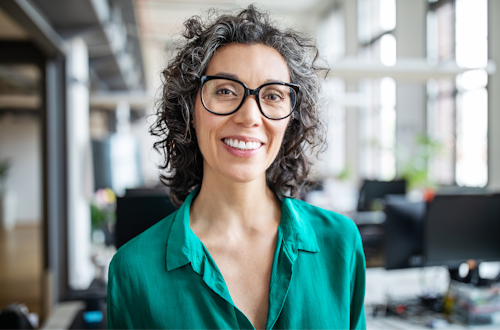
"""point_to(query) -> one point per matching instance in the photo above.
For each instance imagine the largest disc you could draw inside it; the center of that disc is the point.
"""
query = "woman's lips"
(240, 148)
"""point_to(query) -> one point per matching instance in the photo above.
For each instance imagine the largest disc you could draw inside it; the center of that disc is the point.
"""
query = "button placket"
(280, 288)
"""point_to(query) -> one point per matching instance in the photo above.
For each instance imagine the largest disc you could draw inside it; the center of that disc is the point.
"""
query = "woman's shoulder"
(325, 222)
(149, 245)
(337, 236)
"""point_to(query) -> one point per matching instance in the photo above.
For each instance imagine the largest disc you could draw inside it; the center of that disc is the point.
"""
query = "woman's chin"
(243, 174)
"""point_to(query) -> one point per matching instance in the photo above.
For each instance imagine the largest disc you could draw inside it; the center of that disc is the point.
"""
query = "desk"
(401, 284)
(63, 315)
(69, 315)
(79, 323)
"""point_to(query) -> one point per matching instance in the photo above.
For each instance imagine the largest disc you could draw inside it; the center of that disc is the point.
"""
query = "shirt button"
(219, 286)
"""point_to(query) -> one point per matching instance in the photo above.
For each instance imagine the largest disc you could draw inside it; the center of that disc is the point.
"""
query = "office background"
(413, 93)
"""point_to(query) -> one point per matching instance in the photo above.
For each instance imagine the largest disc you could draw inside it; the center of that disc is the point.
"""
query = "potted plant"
(102, 211)
(416, 170)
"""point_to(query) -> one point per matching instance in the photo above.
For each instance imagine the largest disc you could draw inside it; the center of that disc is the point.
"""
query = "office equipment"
(372, 192)
(406, 291)
(138, 210)
(403, 232)
(15, 316)
(371, 228)
(372, 237)
(102, 164)
(474, 305)
(116, 163)
(462, 227)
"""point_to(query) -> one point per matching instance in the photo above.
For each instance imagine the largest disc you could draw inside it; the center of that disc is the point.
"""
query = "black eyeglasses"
(224, 96)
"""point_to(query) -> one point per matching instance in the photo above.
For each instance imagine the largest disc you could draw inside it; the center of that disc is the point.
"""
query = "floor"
(21, 267)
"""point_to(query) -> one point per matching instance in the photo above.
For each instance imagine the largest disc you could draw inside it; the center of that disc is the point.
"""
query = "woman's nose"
(249, 113)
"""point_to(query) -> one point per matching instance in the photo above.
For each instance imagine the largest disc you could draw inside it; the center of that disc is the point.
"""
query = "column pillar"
(350, 9)
(410, 96)
(494, 96)
(81, 270)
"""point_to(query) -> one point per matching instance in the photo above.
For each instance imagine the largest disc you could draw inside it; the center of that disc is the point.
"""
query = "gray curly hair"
(182, 166)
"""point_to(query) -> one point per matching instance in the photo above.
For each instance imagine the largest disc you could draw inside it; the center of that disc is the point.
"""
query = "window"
(457, 109)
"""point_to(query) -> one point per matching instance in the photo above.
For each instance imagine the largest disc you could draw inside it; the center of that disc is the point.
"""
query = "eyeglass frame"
(248, 92)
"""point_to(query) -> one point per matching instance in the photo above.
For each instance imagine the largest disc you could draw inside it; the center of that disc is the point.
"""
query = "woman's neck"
(235, 209)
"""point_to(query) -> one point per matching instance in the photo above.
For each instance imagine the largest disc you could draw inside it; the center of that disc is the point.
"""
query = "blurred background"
(412, 102)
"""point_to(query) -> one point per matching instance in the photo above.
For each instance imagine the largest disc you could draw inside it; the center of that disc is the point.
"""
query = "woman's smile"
(242, 145)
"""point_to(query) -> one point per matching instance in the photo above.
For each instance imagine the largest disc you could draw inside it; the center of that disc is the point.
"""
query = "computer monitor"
(403, 226)
(138, 210)
(371, 191)
(458, 190)
(462, 227)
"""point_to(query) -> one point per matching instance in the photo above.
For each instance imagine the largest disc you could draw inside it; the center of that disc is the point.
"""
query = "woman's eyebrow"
(273, 81)
(226, 75)
(233, 76)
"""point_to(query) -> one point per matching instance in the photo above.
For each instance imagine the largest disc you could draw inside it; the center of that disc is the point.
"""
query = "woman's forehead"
(252, 64)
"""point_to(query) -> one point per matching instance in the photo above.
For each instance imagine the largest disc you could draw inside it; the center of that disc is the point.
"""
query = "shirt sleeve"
(358, 270)
(118, 315)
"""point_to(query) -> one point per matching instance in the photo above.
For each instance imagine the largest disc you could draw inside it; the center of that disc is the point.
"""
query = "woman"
(238, 111)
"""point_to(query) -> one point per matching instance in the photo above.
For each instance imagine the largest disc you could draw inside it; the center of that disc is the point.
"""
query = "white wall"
(20, 141)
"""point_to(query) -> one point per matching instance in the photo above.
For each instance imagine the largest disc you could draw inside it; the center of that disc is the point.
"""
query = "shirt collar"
(184, 247)
(298, 233)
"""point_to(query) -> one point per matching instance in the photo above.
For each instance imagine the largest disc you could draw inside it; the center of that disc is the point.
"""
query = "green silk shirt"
(165, 277)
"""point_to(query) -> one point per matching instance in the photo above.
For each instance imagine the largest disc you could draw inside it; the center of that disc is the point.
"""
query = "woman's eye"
(224, 91)
(274, 97)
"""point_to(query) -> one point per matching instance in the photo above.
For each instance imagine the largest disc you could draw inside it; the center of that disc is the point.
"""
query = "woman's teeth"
(242, 145)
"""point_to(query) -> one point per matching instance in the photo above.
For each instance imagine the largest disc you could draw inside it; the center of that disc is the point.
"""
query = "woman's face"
(253, 65)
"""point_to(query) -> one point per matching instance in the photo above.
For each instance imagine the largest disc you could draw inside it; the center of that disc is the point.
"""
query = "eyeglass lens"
(223, 96)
